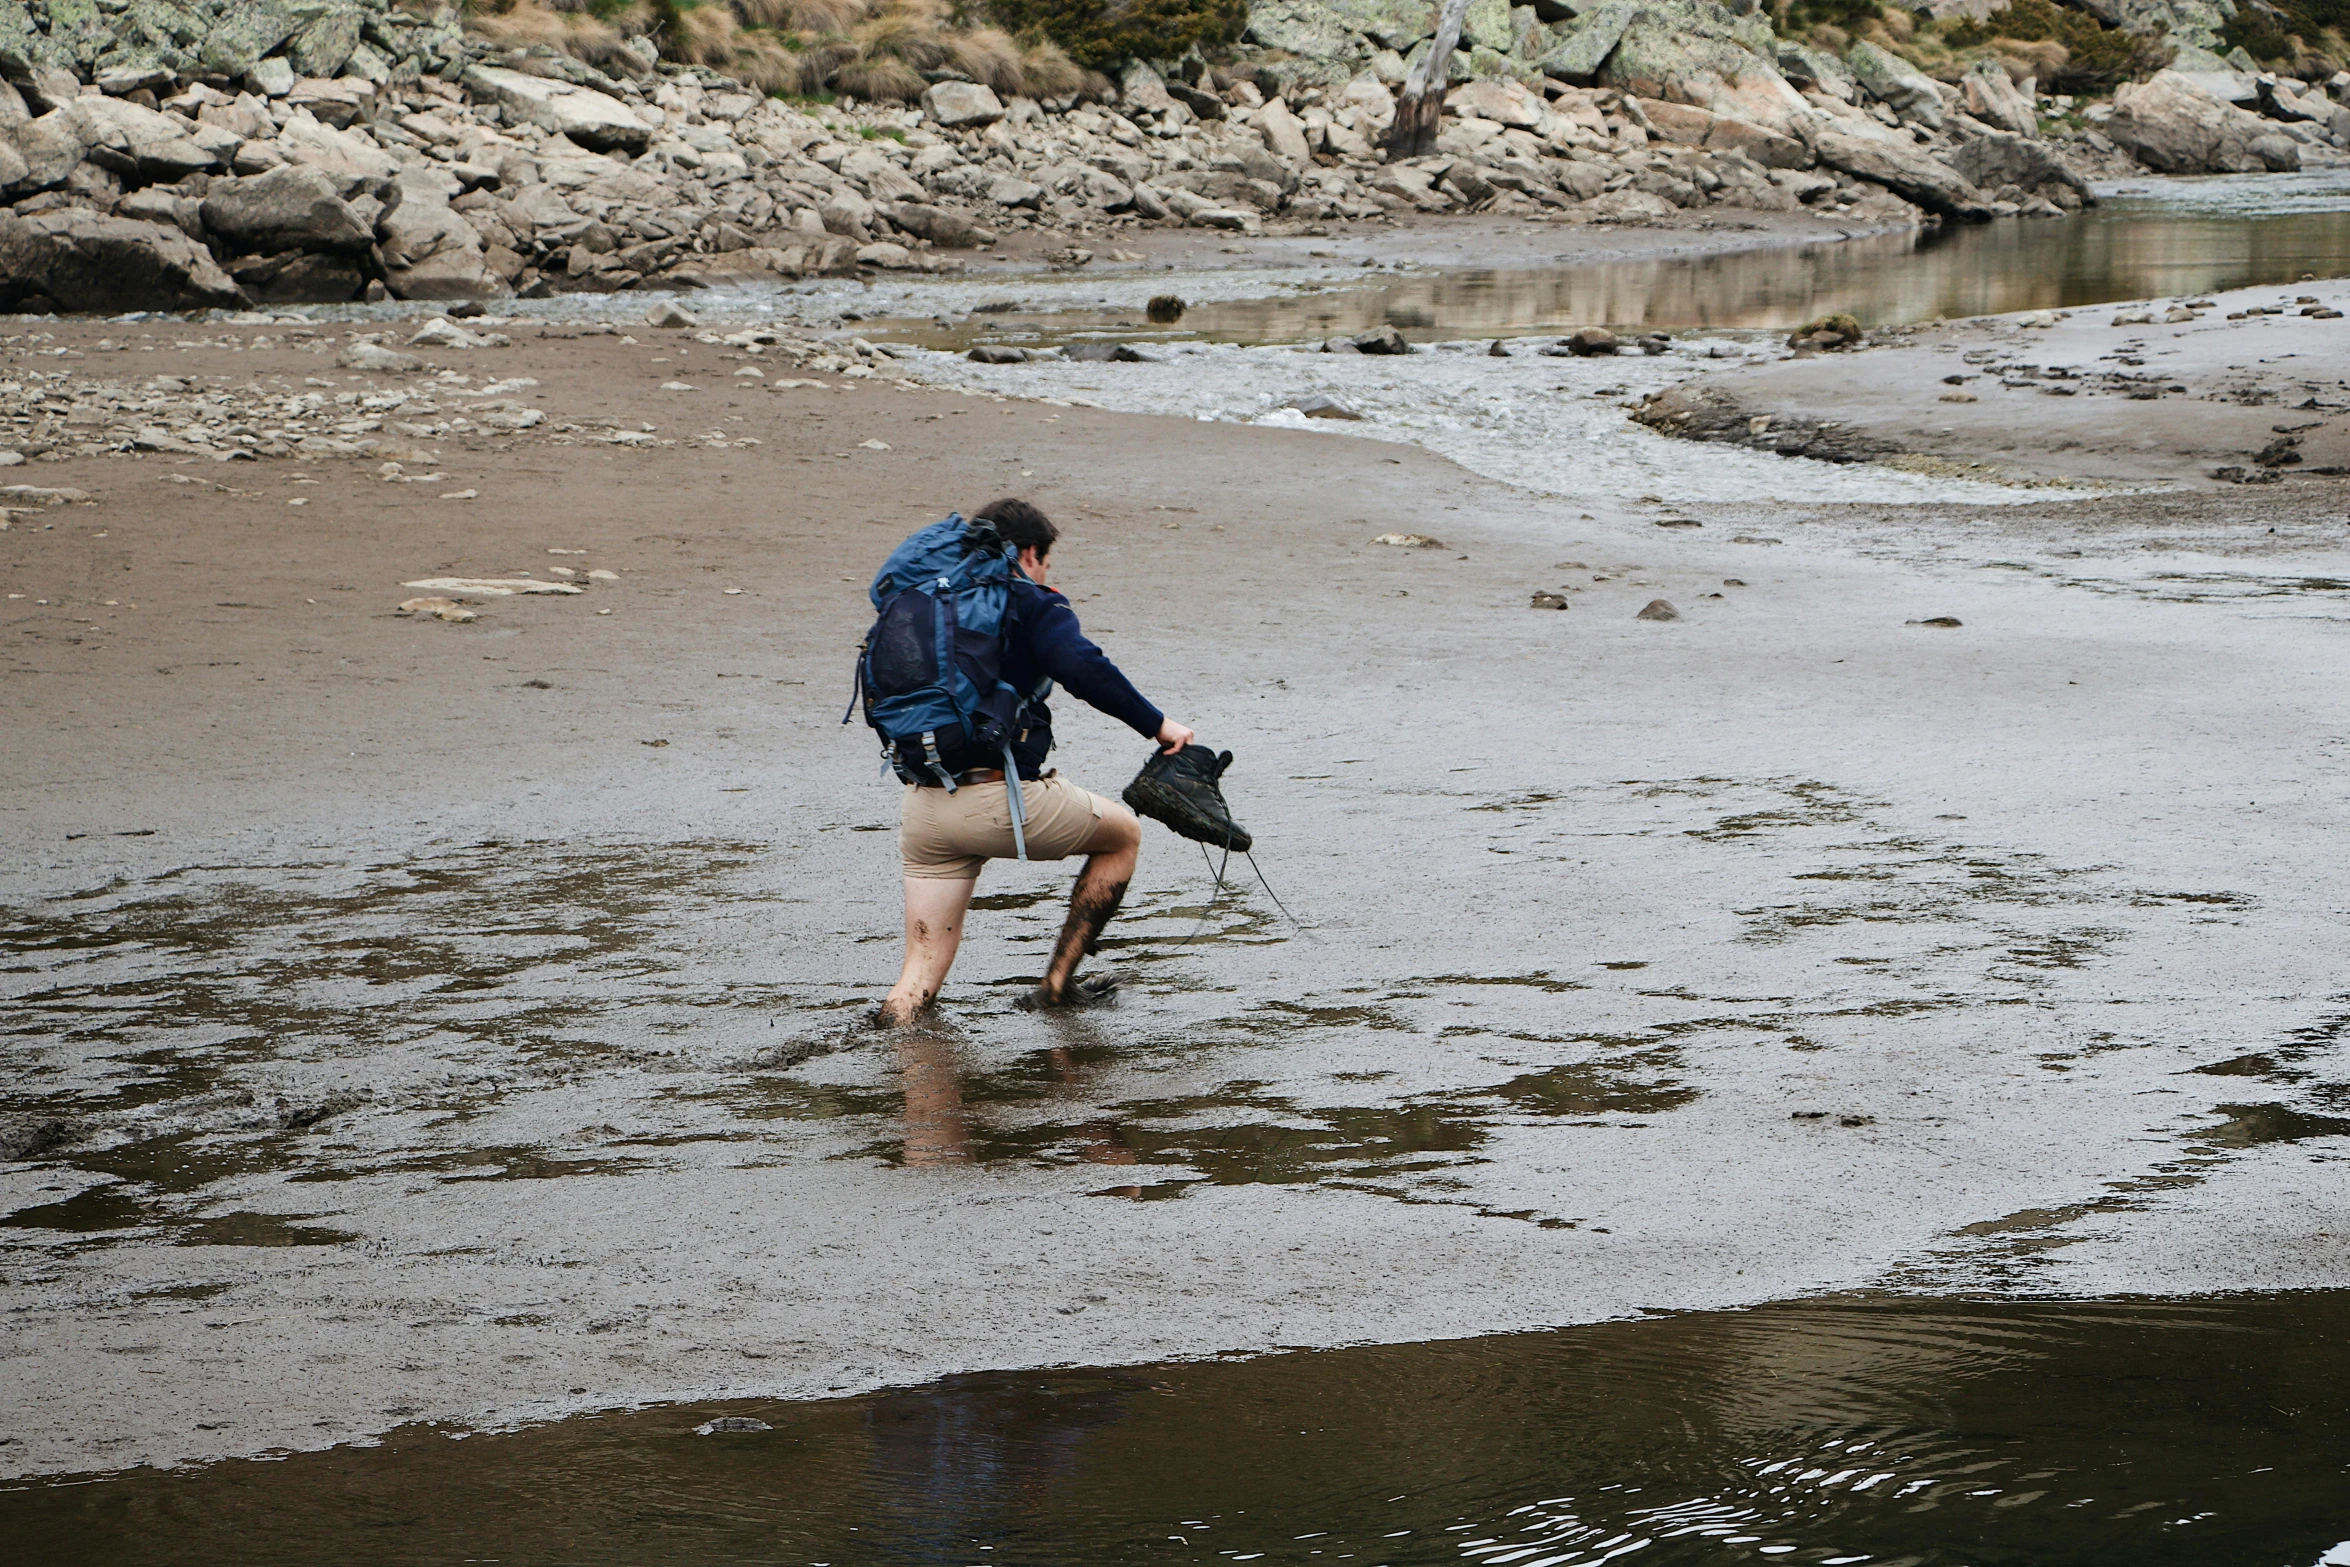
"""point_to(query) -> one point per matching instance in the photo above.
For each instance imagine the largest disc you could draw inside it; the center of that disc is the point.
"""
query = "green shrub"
(1102, 35)
(2097, 58)
(1796, 18)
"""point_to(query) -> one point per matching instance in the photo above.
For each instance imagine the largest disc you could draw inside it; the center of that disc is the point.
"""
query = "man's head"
(1026, 529)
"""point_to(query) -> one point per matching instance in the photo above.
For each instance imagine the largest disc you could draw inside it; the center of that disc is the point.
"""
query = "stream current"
(1903, 1433)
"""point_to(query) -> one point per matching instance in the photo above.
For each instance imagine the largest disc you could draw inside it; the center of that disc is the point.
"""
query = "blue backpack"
(933, 662)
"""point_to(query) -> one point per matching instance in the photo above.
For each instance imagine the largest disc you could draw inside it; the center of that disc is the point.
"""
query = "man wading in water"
(945, 836)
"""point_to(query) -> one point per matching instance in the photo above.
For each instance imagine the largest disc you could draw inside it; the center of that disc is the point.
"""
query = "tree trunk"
(1421, 106)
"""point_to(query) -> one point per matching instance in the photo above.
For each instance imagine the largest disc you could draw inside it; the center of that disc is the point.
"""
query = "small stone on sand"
(1658, 609)
(1409, 541)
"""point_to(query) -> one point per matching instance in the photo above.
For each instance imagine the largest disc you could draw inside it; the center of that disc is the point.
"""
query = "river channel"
(2147, 238)
(1904, 1433)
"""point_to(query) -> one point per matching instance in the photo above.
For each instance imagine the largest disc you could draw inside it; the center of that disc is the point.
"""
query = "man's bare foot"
(1091, 991)
(887, 1016)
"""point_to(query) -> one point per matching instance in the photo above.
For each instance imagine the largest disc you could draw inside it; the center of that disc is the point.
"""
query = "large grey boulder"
(81, 260)
(137, 144)
(1588, 40)
(1678, 122)
(1682, 53)
(1991, 159)
(882, 180)
(962, 105)
(2174, 127)
(597, 121)
(345, 154)
(1805, 66)
(1285, 135)
(50, 146)
(289, 208)
(1486, 25)
(942, 226)
(1995, 100)
(1256, 163)
(1142, 89)
(324, 44)
(1498, 99)
(430, 251)
(1308, 29)
(1894, 82)
(2190, 26)
(1381, 24)
(24, 48)
(2282, 98)
(1898, 164)
(235, 43)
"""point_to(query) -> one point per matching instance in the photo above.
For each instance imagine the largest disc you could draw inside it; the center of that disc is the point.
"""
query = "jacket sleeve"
(1065, 654)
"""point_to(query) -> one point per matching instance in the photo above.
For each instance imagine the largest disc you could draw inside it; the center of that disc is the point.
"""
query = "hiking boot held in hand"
(1181, 792)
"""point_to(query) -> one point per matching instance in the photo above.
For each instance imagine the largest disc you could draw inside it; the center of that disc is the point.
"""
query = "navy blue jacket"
(1042, 641)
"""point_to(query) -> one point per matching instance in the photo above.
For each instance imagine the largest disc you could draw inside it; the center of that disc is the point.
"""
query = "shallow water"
(1557, 425)
(2147, 238)
(1554, 426)
(1887, 1431)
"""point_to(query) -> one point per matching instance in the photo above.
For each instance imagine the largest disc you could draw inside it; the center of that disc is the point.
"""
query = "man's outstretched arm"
(1064, 652)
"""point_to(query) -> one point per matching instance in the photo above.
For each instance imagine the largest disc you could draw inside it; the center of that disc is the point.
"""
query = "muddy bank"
(447, 1021)
(2231, 388)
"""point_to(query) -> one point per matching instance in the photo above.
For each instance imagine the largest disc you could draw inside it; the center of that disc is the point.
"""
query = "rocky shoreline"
(398, 159)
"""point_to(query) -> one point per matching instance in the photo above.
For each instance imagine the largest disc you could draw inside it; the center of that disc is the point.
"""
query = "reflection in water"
(937, 1128)
(935, 1133)
(2135, 246)
(966, 1462)
(1919, 1432)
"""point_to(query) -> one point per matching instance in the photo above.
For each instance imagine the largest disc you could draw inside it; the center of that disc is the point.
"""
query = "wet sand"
(466, 1007)
(2090, 394)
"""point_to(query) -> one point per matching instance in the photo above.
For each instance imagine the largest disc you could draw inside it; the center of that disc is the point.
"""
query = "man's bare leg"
(935, 907)
(1111, 854)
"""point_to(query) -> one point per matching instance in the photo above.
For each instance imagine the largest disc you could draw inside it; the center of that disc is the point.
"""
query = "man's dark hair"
(1020, 525)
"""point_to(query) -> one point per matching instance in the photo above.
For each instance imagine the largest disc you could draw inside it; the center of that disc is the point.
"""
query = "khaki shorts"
(949, 836)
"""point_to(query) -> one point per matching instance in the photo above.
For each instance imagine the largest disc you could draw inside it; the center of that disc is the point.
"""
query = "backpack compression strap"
(1012, 798)
(938, 767)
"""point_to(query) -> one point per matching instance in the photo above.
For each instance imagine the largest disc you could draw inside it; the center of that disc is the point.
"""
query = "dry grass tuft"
(884, 50)
(989, 55)
(880, 78)
(1049, 73)
(568, 27)
(822, 18)
(2038, 61)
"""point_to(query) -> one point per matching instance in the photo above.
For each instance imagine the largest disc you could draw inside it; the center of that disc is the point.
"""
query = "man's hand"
(1173, 737)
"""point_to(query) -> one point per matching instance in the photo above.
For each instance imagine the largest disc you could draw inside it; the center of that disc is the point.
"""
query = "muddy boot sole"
(1092, 991)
